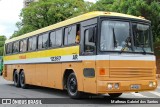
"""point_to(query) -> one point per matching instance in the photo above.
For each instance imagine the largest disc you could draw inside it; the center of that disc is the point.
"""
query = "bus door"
(88, 53)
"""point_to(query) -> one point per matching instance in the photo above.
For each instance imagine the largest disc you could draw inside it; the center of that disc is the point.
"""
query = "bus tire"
(22, 80)
(16, 79)
(114, 95)
(72, 87)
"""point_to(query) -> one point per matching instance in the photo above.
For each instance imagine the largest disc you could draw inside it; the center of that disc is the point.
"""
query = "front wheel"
(72, 86)
(115, 95)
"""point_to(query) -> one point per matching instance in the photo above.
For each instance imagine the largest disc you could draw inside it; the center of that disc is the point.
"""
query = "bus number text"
(56, 58)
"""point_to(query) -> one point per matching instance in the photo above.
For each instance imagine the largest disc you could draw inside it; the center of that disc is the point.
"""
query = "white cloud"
(9, 11)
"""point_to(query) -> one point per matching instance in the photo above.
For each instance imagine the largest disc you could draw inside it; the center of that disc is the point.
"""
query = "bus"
(1, 64)
(114, 55)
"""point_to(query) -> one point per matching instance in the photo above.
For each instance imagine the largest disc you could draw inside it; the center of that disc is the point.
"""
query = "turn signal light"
(102, 71)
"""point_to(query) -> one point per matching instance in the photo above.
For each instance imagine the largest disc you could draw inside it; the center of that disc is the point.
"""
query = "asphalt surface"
(8, 90)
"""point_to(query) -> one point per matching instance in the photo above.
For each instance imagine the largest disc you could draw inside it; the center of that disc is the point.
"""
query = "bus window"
(40, 42)
(70, 35)
(43, 41)
(9, 48)
(23, 45)
(59, 37)
(52, 39)
(16, 47)
(89, 40)
(32, 45)
(56, 38)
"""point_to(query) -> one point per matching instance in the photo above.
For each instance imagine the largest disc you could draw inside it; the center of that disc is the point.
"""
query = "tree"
(46, 12)
(2, 41)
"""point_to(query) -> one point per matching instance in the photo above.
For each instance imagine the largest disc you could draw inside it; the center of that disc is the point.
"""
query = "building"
(27, 2)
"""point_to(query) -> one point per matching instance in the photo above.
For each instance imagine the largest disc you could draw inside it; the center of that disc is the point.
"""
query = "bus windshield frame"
(119, 36)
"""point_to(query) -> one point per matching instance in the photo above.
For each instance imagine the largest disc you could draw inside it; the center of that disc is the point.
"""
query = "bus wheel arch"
(66, 74)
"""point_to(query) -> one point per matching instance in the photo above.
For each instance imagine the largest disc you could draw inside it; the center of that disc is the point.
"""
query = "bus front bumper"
(104, 87)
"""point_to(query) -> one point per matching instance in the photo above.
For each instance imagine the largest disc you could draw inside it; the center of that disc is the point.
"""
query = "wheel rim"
(72, 85)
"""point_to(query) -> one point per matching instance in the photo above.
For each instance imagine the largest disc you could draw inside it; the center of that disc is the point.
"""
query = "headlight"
(110, 86)
(150, 84)
(116, 85)
(154, 83)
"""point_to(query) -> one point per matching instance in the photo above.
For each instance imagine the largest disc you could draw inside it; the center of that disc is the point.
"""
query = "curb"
(158, 76)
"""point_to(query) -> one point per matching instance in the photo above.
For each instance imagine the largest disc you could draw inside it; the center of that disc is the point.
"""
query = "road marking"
(139, 95)
(155, 93)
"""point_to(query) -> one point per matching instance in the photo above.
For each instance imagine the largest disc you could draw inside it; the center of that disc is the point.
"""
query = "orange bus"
(114, 55)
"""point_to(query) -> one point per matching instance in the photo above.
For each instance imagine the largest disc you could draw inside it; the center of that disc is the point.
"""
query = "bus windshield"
(116, 36)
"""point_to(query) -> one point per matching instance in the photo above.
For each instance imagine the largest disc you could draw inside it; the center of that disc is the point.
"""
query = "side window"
(52, 39)
(70, 35)
(16, 47)
(56, 38)
(9, 48)
(59, 37)
(43, 41)
(32, 43)
(23, 45)
(40, 42)
(89, 35)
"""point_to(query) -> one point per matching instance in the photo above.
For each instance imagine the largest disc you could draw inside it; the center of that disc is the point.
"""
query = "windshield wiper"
(144, 52)
(114, 38)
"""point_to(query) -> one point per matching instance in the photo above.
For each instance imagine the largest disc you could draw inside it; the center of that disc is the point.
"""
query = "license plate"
(135, 87)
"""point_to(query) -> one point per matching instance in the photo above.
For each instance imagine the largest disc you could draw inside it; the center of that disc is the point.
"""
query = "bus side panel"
(41, 74)
(77, 67)
(9, 71)
(29, 70)
(55, 76)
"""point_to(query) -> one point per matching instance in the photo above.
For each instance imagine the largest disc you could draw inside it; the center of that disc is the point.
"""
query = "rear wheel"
(22, 80)
(115, 95)
(72, 86)
(16, 79)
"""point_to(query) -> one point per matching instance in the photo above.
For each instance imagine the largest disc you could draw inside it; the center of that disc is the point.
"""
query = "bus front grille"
(131, 72)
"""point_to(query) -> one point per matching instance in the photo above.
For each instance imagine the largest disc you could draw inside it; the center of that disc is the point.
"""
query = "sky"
(9, 15)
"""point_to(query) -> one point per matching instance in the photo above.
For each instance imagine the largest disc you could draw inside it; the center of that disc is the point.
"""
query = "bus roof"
(72, 21)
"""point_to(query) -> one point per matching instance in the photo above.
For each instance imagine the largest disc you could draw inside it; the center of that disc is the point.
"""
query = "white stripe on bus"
(80, 58)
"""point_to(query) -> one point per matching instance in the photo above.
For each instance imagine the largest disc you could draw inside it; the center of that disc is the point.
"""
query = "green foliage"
(47, 12)
(2, 41)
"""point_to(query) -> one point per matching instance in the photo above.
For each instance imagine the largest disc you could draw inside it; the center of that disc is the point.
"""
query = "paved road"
(7, 90)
